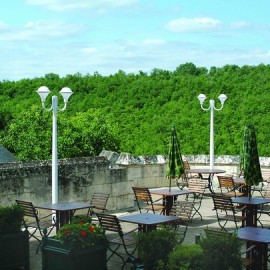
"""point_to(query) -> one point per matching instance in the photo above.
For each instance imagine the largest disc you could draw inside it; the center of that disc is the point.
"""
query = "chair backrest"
(142, 194)
(29, 209)
(110, 223)
(226, 182)
(186, 165)
(266, 192)
(197, 185)
(183, 210)
(223, 203)
(99, 200)
(227, 186)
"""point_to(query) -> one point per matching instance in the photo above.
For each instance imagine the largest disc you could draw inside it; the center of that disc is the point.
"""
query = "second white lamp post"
(212, 107)
(43, 92)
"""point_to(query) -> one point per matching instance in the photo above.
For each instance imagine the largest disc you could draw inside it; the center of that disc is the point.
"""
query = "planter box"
(14, 251)
(56, 256)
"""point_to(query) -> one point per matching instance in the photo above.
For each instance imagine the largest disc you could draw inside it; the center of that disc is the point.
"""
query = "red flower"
(81, 222)
(83, 233)
(66, 231)
(91, 229)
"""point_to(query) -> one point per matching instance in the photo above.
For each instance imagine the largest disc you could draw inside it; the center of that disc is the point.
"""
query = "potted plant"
(76, 246)
(155, 246)
(14, 243)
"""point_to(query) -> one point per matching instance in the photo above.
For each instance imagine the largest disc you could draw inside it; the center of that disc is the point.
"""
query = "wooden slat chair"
(182, 181)
(34, 222)
(183, 210)
(197, 186)
(226, 211)
(262, 185)
(248, 259)
(145, 202)
(227, 186)
(264, 209)
(99, 200)
(110, 223)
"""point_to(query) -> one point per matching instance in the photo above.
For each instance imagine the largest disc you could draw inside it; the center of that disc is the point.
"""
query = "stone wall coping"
(128, 159)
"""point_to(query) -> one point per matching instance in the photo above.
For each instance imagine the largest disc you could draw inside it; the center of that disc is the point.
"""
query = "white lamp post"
(212, 107)
(43, 92)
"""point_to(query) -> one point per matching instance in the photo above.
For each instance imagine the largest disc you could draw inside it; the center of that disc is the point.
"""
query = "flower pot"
(57, 256)
(14, 250)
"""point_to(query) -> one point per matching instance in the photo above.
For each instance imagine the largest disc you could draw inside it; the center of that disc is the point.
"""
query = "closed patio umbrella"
(175, 165)
(249, 159)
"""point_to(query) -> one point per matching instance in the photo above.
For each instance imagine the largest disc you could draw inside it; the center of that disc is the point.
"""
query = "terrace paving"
(197, 226)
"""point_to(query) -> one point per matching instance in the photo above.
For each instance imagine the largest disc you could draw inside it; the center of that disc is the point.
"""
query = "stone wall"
(78, 180)
(110, 173)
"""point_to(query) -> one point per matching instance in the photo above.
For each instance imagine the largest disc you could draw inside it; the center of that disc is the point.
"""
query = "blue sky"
(38, 37)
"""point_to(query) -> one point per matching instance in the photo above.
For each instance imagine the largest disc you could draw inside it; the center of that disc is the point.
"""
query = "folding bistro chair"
(182, 181)
(144, 200)
(183, 210)
(32, 221)
(197, 186)
(228, 187)
(110, 223)
(226, 211)
(99, 200)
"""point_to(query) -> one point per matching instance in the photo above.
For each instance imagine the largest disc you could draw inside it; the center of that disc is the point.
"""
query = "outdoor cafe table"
(169, 196)
(64, 211)
(252, 207)
(210, 172)
(147, 221)
(261, 238)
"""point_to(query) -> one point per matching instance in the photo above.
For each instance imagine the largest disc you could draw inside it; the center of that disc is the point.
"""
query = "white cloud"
(2, 25)
(151, 41)
(42, 29)
(193, 24)
(62, 5)
(239, 25)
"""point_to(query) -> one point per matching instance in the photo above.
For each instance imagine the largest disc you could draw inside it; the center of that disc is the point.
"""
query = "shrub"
(155, 246)
(185, 257)
(11, 219)
(221, 252)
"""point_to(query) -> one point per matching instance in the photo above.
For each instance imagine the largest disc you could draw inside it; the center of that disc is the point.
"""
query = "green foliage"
(185, 257)
(154, 247)
(134, 112)
(217, 251)
(11, 219)
(82, 134)
(221, 252)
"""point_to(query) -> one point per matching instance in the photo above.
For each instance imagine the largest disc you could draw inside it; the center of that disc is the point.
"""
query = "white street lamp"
(212, 107)
(43, 92)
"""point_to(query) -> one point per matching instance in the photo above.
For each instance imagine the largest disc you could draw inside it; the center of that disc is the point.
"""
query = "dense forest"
(134, 112)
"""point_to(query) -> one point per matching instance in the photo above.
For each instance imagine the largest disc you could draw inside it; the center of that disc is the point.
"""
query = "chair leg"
(196, 211)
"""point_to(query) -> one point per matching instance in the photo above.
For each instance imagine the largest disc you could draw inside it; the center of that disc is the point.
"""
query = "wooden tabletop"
(147, 219)
(65, 206)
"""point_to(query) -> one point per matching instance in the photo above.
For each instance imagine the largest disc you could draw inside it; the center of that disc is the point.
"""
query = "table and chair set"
(234, 204)
(167, 210)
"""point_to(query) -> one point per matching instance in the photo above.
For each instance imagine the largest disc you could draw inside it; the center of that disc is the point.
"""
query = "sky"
(38, 37)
